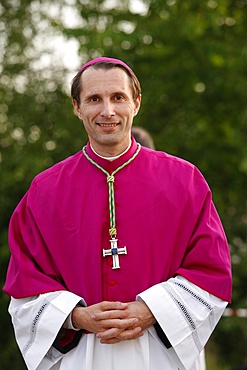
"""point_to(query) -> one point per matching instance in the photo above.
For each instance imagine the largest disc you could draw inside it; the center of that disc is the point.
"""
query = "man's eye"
(118, 97)
(94, 98)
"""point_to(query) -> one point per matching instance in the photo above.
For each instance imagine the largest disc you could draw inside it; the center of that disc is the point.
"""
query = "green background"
(190, 58)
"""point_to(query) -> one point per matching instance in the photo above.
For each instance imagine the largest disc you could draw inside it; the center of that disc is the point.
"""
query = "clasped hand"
(113, 322)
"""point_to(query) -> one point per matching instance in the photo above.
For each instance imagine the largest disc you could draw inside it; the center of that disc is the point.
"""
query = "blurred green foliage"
(191, 60)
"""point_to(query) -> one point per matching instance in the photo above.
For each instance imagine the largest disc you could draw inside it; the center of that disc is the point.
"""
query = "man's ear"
(137, 105)
(76, 108)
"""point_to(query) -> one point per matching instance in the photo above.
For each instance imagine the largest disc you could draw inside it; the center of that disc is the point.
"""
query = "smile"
(107, 124)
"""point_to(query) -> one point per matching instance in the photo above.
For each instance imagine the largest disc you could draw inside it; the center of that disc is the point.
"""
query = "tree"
(37, 126)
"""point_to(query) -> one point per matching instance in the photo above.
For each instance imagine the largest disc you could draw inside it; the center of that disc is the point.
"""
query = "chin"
(110, 139)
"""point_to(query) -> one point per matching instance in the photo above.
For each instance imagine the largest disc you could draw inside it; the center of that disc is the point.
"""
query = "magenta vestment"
(164, 216)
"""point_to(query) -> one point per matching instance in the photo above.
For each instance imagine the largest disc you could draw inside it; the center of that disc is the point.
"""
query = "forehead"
(99, 80)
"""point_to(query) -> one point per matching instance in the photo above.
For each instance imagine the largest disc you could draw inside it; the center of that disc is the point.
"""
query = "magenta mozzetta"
(60, 228)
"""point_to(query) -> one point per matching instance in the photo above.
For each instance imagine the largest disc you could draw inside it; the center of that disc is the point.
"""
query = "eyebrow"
(97, 95)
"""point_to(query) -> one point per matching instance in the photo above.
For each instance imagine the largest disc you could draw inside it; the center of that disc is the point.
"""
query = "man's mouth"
(107, 124)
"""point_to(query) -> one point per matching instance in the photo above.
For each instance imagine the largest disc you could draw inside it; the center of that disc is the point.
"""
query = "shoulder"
(169, 162)
(172, 170)
(53, 183)
(62, 169)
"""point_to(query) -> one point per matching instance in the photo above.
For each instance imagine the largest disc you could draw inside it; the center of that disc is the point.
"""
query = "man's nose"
(107, 109)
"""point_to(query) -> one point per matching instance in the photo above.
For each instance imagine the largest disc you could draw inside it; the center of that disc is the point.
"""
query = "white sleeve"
(37, 321)
(186, 313)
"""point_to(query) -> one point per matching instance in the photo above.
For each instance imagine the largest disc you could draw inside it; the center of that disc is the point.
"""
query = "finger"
(110, 341)
(137, 336)
(112, 328)
(107, 306)
(109, 334)
(111, 314)
(131, 334)
(124, 335)
(121, 324)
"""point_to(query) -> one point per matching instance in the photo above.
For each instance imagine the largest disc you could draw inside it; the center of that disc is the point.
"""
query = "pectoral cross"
(114, 252)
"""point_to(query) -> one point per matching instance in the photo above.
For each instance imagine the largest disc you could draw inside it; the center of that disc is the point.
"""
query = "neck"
(111, 157)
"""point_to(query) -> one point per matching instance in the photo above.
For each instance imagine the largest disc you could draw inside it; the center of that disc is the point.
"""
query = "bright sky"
(65, 51)
(50, 47)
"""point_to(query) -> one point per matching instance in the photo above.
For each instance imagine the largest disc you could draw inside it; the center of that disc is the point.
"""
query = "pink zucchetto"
(105, 59)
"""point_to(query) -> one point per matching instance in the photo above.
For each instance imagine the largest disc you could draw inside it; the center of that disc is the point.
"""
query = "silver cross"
(114, 252)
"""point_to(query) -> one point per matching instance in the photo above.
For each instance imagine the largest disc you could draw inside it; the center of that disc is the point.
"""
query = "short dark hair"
(142, 136)
(76, 86)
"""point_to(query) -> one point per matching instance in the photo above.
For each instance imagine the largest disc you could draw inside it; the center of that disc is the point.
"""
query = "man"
(142, 136)
(119, 259)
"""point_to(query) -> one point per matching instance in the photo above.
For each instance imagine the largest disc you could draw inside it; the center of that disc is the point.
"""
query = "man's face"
(107, 109)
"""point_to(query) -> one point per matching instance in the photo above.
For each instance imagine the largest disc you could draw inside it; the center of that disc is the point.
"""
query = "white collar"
(111, 158)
